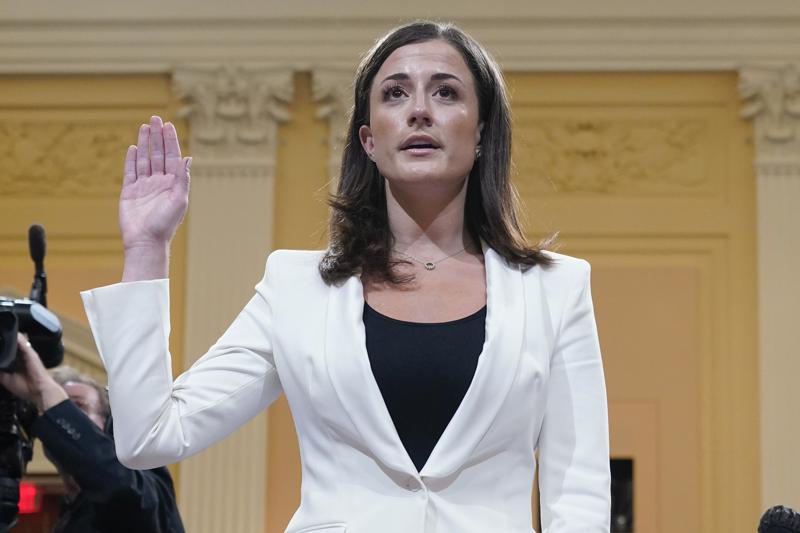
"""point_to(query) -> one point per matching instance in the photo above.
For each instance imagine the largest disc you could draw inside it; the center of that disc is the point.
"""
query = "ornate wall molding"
(593, 38)
(68, 158)
(620, 156)
(772, 101)
(234, 111)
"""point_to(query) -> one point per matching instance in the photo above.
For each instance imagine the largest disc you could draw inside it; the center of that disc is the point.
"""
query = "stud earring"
(477, 151)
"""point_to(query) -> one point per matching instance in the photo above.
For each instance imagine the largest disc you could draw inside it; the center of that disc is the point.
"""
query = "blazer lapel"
(351, 375)
(494, 376)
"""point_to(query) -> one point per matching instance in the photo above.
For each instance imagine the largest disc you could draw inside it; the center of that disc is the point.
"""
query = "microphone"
(779, 519)
(36, 245)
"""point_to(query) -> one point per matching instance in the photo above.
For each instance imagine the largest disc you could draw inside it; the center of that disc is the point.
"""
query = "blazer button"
(412, 484)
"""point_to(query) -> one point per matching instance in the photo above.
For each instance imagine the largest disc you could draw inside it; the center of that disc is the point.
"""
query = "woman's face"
(424, 124)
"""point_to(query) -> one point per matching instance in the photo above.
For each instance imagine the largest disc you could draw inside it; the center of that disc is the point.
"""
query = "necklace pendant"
(429, 266)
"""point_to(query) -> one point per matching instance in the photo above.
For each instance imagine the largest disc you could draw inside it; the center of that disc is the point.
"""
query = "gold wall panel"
(63, 141)
(649, 177)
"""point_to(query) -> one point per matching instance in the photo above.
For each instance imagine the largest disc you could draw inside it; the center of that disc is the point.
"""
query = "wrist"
(50, 395)
(145, 248)
(145, 261)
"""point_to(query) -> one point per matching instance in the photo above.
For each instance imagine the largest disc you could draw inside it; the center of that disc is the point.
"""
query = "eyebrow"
(439, 76)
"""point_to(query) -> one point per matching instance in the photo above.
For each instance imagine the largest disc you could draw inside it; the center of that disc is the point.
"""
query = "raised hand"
(154, 198)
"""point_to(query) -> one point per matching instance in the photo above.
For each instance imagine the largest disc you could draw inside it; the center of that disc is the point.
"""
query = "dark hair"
(360, 239)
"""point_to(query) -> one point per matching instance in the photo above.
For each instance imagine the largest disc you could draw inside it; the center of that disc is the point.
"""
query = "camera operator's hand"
(31, 381)
(153, 201)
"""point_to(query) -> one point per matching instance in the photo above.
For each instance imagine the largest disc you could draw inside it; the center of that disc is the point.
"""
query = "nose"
(420, 114)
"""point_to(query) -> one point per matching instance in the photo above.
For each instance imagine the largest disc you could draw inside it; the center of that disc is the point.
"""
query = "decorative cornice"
(772, 100)
(332, 89)
(67, 43)
(233, 111)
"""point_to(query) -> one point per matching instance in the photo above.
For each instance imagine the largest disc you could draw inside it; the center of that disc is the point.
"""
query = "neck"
(428, 222)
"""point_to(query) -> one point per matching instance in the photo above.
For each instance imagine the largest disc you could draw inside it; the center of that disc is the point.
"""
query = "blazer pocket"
(337, 527)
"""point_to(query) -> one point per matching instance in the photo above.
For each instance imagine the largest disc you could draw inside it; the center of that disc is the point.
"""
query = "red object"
(30, 498)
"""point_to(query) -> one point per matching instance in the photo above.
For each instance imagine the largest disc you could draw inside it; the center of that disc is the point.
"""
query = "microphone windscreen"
(36, 243)
(780, 519)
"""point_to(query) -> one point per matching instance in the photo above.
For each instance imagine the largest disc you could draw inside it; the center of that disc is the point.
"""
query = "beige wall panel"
(649, 176)
(635, 437)
(648, 318)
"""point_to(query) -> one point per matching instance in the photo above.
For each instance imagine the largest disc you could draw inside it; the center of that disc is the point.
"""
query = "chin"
(428, 173)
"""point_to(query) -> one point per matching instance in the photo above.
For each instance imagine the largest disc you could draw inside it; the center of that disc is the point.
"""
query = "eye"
(446, 91)
(393, 92)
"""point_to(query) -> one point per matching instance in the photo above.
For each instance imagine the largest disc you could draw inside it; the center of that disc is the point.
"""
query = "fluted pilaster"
(233, 112)
(772, 100)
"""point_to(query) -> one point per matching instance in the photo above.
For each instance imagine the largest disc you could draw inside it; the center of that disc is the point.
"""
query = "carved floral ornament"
(49, 158)
(233, 109)
(641, 157)
(772, 98)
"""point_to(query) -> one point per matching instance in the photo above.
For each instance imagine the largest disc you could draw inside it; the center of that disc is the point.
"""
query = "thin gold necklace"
(429, 265)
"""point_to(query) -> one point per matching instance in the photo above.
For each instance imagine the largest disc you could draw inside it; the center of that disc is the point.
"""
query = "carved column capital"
(772, 99)
(333, 93)
(233, 112)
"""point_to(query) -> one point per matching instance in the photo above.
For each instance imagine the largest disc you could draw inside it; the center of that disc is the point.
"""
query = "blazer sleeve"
(574, 472)
(144, 499)
(157, 421)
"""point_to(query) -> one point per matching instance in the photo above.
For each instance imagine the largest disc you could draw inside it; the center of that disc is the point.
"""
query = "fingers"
(183, 172)
(156, 145)
(157, 152)
(33, 363)
(129, 174)
(172, 150)
(143, 152)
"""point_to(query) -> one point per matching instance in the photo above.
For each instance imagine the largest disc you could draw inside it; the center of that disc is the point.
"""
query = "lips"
(420, 142)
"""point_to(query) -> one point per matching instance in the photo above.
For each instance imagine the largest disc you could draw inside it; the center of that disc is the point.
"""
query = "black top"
(113, 498)
(423, 371)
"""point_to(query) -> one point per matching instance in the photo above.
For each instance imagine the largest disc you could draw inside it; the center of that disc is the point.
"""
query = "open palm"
(155, 187)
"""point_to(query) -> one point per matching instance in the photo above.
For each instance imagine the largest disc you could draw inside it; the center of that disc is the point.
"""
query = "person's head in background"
(86, 393)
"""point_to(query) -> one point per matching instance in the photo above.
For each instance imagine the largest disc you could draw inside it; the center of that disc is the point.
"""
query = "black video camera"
(40, 324)
(29, 316)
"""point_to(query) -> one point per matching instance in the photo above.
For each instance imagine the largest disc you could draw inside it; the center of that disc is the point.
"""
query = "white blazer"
(538, 385)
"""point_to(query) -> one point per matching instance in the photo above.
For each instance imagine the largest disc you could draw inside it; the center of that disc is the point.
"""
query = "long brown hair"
(360, 239)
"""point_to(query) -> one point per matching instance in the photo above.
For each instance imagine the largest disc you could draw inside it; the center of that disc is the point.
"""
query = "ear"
(478, 133)
(365, 136)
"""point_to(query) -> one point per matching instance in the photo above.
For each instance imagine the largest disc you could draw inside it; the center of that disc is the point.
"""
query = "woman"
(426, 355)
